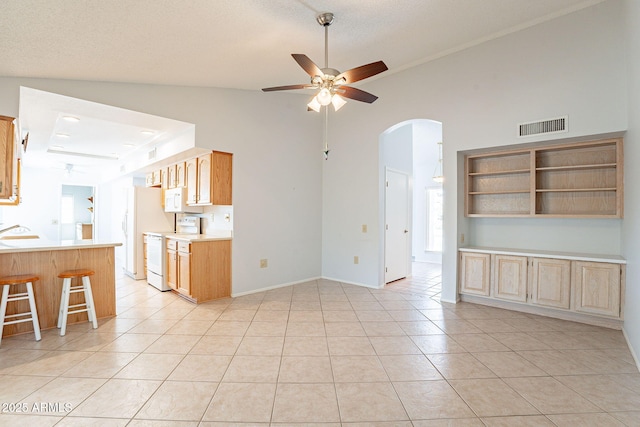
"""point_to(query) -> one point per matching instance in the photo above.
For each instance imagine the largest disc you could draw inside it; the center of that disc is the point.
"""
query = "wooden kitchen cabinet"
(172, 264)
(596, 287)
(184, 268)
(509, 277)
(475, 271)
(180, 175)
(551, 282)
(575, 287)
(199, 270)
(208, 179)
(7, 156)
(577, 180)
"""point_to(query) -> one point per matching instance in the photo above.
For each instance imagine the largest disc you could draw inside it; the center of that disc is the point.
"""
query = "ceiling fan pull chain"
(326, 134)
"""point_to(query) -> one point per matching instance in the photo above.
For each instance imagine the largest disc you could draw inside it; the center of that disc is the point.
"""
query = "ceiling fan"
(331, 82)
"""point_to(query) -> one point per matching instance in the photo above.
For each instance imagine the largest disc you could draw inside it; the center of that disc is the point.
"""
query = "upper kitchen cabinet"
(7, 156)
(577, 180)
(208, 179)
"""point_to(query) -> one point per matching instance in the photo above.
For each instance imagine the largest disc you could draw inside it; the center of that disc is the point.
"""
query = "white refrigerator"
(143, 213)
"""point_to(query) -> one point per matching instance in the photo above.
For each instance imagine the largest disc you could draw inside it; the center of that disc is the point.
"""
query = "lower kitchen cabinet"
(597, 288)
(551, 282)
(573, 287)
(510, 277)
(475, 273)
(199, 270)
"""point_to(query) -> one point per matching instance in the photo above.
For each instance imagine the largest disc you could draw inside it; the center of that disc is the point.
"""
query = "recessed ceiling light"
(147, 132)
(62, 135)
(128, 145)
(71, 119)
(57, 147)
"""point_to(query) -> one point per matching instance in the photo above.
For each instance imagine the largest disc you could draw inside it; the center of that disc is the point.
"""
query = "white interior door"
(396, 226)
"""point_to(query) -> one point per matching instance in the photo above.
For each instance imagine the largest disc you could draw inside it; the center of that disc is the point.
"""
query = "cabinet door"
(222, 173)
(475, 273)
(6, 156)
(149, 179)
(157, 178)
(171, 176)
(181, 175)
(191, 167)
(204, 179)
(172, 269)
(509, 277)
(551, 282)
(184, 273)
(597, 288)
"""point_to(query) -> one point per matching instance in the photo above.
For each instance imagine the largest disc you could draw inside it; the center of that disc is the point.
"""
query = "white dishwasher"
(156, 260)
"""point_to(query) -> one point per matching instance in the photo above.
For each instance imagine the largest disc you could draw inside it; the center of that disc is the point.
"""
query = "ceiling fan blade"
(356, 94)
(362, 72)
(308, 65)
(289, 87)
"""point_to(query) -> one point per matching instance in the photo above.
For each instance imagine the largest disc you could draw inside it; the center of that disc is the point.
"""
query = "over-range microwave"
(175, 200)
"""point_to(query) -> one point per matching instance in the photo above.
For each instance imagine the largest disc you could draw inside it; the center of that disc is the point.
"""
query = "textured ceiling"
(244, 44)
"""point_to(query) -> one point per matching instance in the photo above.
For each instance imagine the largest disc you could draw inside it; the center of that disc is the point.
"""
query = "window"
(434, 219)
(66, 205)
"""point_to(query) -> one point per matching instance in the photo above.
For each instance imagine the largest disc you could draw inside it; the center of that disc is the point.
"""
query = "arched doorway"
(411, 230)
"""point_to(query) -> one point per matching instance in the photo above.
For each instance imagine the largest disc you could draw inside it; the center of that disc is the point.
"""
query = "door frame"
(409, 222)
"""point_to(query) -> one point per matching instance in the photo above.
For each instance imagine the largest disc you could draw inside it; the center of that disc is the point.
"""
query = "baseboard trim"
(270, 288)
(633, 353)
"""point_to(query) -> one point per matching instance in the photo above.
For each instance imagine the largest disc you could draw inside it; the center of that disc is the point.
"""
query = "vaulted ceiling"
(243, 44)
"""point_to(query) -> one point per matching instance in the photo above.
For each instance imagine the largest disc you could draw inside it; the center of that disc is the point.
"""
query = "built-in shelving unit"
(571, 180)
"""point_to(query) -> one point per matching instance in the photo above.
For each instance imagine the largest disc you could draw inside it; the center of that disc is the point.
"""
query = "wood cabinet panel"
(551, 282)
(582, 179)
(597, 288)
(475, 272)
(7, 149)
(509, 277)
(203, 182)
(184, 272)
(172, 268)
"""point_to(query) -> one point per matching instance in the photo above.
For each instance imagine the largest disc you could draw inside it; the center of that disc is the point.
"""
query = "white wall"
(631, 223)
(277, 166)
(571, 65)
(426, 135)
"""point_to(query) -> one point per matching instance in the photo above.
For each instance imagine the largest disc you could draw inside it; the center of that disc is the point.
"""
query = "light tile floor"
(320, 353)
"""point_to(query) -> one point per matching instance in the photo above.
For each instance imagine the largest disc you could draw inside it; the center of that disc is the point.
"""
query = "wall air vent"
(152, 154)
(558, 124)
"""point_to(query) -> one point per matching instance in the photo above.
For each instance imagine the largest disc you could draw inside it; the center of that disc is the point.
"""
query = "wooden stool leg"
(66, 288)
(34, 312)
(88, 297)
(3, 306)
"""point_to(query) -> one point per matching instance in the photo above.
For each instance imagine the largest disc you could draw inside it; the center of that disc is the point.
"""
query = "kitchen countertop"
(219, 235)
(32, 245)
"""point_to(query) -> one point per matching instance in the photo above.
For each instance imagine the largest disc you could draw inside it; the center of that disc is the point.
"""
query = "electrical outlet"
(356, 259)
(227, 217)
(263, 263)
(364, 228)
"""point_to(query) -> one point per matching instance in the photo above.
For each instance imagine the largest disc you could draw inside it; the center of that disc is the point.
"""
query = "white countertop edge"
(223, 235)
(56, 246)
(574, 256)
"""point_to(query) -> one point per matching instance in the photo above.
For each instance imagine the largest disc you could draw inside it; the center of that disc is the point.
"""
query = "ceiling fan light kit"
(330, 83)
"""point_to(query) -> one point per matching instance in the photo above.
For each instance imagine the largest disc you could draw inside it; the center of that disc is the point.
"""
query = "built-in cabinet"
(208, 178)
(7, 156)
(199, 270)
(562, 282)
(570, 180)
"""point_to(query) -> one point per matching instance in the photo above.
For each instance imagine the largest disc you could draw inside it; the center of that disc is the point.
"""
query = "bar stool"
(68, 289)
(6, 283)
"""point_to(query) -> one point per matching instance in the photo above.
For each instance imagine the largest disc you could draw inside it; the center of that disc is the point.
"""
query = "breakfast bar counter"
(47, 259)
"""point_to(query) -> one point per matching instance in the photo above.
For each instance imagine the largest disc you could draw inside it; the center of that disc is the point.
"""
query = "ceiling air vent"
(559, 124)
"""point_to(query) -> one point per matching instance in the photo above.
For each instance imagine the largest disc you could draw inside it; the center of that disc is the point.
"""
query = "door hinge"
(386, 270)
